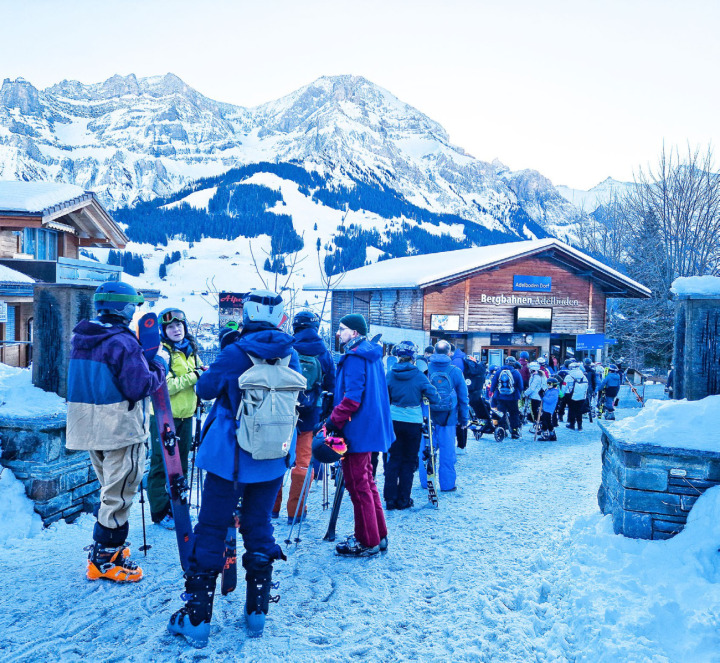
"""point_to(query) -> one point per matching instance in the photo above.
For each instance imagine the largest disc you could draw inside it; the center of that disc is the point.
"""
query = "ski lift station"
(542, 296)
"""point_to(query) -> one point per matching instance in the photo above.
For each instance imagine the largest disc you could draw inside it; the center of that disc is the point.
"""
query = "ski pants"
(370, 524)
(513, 411)
(535, 409)
(219, 499)
(119, 472)
(303, 465)
(157, 480)
(461, 435)
(609, 403)
(546, 422)
(402, 461)
(563, 403)
(575, 409)
(444, 442)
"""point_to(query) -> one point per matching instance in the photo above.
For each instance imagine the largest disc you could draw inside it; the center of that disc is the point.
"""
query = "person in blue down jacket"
(508, 402)
(450, 411)
(610, 386)
(362, 416)
(407, 387)
(232, 473)
(309, 346)
(458, 359)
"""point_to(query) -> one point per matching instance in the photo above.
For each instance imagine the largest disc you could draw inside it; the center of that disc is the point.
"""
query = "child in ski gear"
(536, 388)
(548, 418)
(109, 382)
(610, 386)
(232, 473)
(451, 410)
(318, 367)
(575, 387)
(362, 416)
(506, 389)
(179, 349)
(407, 386)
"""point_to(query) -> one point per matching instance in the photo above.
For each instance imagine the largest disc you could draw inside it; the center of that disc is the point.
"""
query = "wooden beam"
(67, 210)
(20, 222)
(93, 241)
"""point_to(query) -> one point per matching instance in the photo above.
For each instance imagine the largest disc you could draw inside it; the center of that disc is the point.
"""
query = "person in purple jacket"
(362, 416)
(109, 382)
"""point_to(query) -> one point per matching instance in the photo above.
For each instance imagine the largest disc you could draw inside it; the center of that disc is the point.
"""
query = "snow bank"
(20, 399)
(18, 520)
(682, 424)
(646, 600)
(696, 285)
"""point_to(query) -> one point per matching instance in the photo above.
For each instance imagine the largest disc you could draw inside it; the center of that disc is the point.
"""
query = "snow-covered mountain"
(131, 139)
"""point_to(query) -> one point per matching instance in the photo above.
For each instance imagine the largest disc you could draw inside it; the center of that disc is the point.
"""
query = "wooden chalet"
(542, 296)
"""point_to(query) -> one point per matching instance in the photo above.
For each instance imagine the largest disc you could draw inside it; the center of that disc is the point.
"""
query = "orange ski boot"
(112, 564)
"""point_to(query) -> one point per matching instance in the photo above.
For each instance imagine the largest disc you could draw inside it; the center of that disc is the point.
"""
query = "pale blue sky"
(577, 90)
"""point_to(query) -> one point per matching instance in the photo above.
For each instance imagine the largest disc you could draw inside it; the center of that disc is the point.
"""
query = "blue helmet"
(524, 355)
(405, 349)
(117, 298)
(305, 320)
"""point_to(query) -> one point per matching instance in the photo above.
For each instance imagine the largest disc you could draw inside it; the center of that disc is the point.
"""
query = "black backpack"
(474, 374)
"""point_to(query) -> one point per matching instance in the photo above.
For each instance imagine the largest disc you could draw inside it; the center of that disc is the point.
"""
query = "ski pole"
(301, 500)
(145, 547)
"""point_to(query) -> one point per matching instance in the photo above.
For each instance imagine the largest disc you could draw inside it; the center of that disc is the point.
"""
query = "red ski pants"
(370, 524)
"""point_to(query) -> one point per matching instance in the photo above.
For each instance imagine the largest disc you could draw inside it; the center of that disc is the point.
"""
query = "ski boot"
(515, 434)
(193, 620)
(351, 547)
(609, 416)
(258, 574)
(112, 563)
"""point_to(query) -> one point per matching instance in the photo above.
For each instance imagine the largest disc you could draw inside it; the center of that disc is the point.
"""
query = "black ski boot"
(258, 573)
(193, 620)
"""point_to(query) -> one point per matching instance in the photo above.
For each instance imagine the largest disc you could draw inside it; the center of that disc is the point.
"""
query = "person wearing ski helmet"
(506, 388)
(362, 416)
(610, 387)
(523, 369)
(109, 382)
(548, 418)
(407, 387)
(575, 387)
(543, 366)
(536, 388)
(451, 410)
(318, 368)
(180, 350)
(233, 473)
(564, 402)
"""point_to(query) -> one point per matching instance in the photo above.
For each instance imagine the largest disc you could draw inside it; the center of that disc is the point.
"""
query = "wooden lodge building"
(43, 226)
(542, 296)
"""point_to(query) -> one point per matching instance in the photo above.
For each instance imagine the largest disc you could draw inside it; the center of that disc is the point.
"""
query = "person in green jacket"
(180, 351)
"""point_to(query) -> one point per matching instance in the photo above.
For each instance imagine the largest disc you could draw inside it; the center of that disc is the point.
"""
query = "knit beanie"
(356, 322)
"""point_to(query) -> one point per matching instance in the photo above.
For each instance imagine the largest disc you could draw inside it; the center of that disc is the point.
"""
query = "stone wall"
(62, 483)
(649, 489)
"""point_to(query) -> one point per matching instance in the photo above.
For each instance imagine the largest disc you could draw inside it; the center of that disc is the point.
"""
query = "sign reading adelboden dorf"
(527, 300)
(526, 283)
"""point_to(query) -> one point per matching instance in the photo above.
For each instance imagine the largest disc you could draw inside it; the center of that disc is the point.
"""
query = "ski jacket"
(362, 406)
(308, 342)
(611, 384)
(109, 382)
(458, 359)
(181, 378)
(461, 414)
(592, 380)
(524, 372)
(219, 451)
(550, 400)
(576, 384)
(407, 386)
(517, 379)
(538, 383)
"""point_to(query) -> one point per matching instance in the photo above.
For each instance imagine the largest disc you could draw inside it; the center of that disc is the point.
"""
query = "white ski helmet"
(263, 306)
(534, 366)
(542, 361)
(574, 365)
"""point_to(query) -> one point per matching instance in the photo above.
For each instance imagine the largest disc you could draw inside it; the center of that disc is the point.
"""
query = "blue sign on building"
(532, 283)
(590, 342)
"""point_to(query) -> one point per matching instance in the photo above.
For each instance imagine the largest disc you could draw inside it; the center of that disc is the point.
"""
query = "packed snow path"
(486, 577)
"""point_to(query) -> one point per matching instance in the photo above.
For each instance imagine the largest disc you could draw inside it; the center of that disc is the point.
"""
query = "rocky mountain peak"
(22, 95)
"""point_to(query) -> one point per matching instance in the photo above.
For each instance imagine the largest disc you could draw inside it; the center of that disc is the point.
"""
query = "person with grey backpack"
(248, 444)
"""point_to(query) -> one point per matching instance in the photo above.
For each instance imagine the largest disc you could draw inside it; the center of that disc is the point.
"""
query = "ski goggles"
(171, 316)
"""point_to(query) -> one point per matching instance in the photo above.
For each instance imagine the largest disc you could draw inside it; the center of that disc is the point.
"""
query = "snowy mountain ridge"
(131, 139)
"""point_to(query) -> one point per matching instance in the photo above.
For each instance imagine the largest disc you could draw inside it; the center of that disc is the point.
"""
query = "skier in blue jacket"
(362, 416)
(508, 402)
(232, 474)
(450, 411)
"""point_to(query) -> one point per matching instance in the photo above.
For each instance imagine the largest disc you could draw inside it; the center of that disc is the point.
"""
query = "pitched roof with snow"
(38, 197)
(422, 271)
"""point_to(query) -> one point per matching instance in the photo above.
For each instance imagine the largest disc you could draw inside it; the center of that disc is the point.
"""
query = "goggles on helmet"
(172, 316)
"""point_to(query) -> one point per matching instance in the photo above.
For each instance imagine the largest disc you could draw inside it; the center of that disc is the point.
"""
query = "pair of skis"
(429, 458)
(178, 488)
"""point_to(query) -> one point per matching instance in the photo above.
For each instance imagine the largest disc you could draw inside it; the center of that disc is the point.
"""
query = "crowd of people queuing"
(375, 410)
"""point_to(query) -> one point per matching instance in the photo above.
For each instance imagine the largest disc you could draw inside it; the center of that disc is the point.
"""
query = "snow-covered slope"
(131, 139)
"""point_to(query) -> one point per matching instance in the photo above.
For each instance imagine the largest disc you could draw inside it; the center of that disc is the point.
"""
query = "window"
(40, 243)
(533, 319)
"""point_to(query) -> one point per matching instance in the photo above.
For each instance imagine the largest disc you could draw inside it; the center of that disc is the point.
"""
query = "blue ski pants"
(219, 498)
(444, 441)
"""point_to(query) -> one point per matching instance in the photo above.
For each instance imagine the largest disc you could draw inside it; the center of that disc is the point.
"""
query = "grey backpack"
(267, 414)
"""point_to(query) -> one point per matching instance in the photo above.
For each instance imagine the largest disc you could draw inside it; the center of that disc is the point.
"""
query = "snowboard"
(178, 489)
